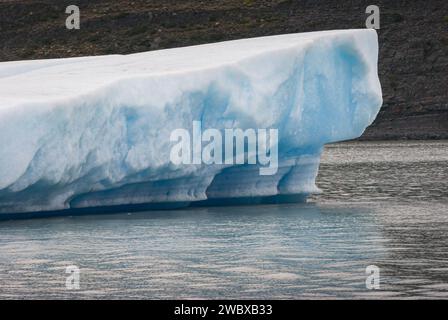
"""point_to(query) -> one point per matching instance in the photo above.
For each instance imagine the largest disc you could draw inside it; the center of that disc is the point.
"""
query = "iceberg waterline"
(95, 131)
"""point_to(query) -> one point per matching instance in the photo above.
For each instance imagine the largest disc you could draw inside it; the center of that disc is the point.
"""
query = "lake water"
(383, 204)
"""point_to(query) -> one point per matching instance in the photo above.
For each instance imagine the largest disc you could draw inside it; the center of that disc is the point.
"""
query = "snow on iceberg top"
(42, 80)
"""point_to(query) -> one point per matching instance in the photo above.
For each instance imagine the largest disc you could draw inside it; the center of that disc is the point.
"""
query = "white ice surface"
(94, 131)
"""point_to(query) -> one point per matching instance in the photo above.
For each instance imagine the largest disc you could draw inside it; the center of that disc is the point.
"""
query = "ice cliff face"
(95, 131)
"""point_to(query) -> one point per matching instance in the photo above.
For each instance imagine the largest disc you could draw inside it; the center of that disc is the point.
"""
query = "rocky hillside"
(413, 41)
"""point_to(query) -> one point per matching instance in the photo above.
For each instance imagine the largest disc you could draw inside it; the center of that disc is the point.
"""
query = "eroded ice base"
(94, 131)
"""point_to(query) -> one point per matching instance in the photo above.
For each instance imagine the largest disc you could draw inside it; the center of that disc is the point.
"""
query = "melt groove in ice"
(94, 131)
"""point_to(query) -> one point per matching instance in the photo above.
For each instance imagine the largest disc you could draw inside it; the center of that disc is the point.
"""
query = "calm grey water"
(383, 204)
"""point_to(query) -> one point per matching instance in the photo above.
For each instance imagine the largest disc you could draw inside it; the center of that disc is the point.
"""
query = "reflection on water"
(392, 172)
(390, 212)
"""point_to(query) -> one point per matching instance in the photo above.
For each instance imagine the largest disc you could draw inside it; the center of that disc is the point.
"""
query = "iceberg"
(94, 132)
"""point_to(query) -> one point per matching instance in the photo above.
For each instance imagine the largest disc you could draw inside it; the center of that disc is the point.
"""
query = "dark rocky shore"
(413, 63)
